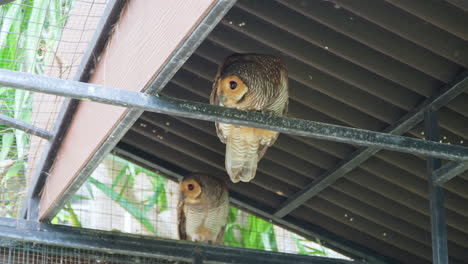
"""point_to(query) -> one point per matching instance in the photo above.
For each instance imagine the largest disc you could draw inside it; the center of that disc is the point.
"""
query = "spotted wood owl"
(203, 208)
(250, 82)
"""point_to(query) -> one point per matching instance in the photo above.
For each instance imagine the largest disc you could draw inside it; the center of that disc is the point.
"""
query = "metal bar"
(23, 126)
(172, 106)
(449, 171)
(436, 196)
(49, 153)
(354, 160)
(136, 245)
(462, 4)
(4, 2)
(307, 230)
(179, 57)
(197, 258)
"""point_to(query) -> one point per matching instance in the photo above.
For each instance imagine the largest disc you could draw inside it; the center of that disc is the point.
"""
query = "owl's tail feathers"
(241, 159)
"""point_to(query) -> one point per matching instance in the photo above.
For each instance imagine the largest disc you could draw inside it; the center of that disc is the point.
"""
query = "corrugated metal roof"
(362, 64)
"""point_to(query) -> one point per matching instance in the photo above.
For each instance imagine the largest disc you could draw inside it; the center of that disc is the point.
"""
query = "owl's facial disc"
(231, 91)
(190, 188)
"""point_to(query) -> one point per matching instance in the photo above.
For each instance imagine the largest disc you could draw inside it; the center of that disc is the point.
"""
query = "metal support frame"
(95, 47)
(23, 126)
(307, 230)
(358, 157)
(145, 246)
(4, 2)
(177, 107)
(436, 196)
(449, 171)
(179, 57)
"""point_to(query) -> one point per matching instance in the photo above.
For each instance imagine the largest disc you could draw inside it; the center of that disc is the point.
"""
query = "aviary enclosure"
(104, 108)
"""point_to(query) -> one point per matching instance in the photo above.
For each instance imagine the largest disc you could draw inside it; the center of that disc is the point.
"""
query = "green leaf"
(125, 203)
(162, 197)
(38, 16)
(55, 220)
(90, 189)
(230, 238)
(7, 22)
(12, 172)
(299, 245)
(129, 179)
(21, 137)
(315, 251)
(77, 197)
(152, 201)
(307, 250)
(232, 214)
(119, 177)
(7, 141)
(73, 217)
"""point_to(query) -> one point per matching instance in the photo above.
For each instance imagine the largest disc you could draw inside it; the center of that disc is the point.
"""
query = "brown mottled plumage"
(202, 209)
(250, 82)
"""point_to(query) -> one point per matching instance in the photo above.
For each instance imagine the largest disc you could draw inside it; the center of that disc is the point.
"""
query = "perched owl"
(250, 82)
(203, 209)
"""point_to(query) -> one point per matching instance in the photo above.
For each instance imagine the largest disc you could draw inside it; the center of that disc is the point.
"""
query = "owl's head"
(231, 91)
(190, 188)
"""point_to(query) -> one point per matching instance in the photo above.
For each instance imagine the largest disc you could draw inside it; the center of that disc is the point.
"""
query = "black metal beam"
(406, 123)
(23, 126)
(306, 230)
(172, 106)
(136, 245)
(449, 171)
(49, 152)
(4, 2)
(436, 196)
(179, 57)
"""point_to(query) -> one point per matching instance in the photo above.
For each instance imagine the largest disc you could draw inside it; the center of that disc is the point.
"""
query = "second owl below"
(202, 209)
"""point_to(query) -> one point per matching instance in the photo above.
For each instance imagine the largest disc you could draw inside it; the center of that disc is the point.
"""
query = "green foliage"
(68, 215)
(256, 233)
(305, 249)
(128, 205)
(120, 192)
(232, 225)
(7, 142)
(126, 178)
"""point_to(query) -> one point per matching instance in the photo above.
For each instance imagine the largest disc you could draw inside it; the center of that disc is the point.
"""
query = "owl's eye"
(190, 187)
(232, 85)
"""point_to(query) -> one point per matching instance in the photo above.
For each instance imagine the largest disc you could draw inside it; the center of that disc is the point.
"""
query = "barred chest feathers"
(205, 225)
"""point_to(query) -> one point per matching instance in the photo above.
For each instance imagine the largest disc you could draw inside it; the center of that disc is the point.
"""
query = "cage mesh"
(19, 252)
(123, 197)
(47, 37)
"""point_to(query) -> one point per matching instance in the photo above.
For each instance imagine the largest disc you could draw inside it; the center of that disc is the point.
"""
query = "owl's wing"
(225, 214)
(220, 237)
(213, 97)
(181, 220)
(285, 85)
(214, 101)
(263, 148)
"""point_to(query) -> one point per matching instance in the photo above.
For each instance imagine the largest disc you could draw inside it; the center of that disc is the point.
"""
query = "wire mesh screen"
(47, 37)
(18, 252)
(123, 197)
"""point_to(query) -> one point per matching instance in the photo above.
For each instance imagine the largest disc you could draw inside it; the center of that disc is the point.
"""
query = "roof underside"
(361, 64)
